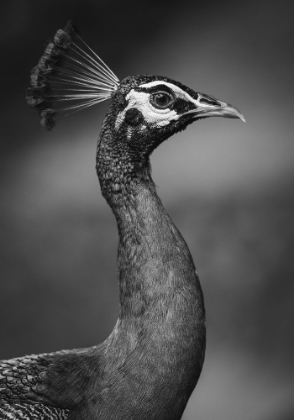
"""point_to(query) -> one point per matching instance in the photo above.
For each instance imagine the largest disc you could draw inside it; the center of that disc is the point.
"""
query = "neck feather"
(153, 258)
(161, 325)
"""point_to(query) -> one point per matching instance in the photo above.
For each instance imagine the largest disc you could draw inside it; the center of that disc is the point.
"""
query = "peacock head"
(157, 107)
(144, 110)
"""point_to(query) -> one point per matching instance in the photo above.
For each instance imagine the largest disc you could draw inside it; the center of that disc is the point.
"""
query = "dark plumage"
(149, 365)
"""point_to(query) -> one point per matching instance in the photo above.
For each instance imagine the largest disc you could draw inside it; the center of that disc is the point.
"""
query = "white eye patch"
(180, 93)
(153, 116)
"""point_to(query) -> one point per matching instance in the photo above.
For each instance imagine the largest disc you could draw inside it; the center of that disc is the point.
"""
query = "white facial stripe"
(153, 116)
(180, 93)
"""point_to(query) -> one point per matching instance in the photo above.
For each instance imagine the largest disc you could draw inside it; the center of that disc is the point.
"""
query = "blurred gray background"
(227, 185)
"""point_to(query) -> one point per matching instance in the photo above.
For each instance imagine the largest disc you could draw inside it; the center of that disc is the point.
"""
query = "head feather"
(69, 77)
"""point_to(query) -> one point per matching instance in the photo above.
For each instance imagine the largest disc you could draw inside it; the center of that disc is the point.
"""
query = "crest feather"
(69, 77)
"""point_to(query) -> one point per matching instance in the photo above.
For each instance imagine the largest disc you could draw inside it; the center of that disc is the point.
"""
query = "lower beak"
(210, 107)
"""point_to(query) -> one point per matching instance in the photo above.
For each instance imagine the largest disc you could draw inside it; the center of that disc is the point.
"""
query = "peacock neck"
(154, 262)
(160, 333)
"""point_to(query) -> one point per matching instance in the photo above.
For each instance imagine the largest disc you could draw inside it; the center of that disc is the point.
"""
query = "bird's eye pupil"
(161, 100)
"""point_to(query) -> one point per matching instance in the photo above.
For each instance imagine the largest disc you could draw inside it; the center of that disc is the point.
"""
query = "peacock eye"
(161, 100)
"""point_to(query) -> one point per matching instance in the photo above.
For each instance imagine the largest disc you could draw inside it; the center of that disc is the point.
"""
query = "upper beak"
(211, 107)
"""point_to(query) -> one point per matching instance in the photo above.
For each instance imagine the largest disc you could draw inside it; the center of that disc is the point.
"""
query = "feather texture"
(69, 77)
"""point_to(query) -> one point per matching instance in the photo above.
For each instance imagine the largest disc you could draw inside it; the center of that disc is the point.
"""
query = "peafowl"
(149, 365)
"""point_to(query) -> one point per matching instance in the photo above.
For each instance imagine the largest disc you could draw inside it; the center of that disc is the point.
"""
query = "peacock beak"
(207, 106)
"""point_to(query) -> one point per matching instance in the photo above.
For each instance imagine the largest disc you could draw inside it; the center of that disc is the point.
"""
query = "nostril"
(209, 101)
